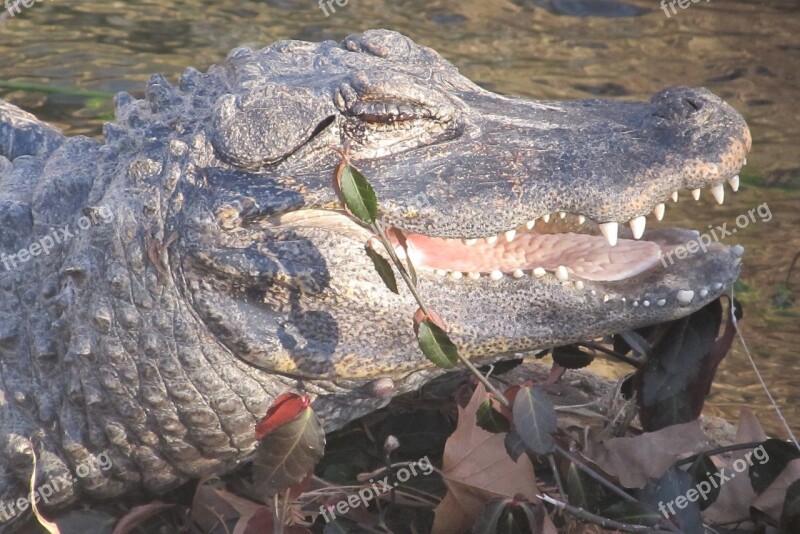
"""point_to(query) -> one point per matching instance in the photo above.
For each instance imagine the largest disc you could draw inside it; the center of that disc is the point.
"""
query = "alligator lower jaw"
(543, 246)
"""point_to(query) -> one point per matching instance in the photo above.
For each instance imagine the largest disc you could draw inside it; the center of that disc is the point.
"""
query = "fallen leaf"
(633, 460)
(771, 500)
(477, 469)
(736, 495)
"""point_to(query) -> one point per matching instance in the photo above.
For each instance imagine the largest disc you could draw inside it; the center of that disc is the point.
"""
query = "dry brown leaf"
(476, 469)
(771, 499)
(736, 495)
(635, 459)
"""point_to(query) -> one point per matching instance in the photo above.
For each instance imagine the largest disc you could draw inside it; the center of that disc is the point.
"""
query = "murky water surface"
(748, 52)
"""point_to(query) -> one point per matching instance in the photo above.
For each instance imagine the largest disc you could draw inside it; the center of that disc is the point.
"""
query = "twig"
(718, 450)
(758, 373)
(277, 516)
(614, 354)
(580, 513)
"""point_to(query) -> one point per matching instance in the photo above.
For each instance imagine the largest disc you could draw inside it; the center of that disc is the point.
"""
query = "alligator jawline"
(535, 249)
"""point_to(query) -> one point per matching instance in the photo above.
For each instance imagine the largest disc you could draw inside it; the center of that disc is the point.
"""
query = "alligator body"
(161, 286)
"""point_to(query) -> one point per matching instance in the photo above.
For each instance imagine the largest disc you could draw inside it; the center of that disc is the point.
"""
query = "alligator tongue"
(585, 256)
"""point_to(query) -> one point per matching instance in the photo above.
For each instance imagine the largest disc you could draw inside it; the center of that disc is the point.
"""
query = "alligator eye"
(376, 112)
(384, 119)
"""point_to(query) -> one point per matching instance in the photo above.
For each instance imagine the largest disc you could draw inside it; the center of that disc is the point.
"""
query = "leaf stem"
(580, 513)
(377, 230)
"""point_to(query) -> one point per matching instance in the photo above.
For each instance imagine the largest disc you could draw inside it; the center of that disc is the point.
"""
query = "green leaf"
(571, 357)
(358, 195)
(514, 445)
(490, 419)
(384, 269)
(436, 345)
(535, 419)
(288, 453)
(633, 512)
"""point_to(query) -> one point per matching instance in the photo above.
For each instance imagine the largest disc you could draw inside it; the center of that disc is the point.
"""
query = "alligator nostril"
(695, 105)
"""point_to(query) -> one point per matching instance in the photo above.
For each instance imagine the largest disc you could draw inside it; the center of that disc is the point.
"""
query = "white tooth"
(717, 286)
(491, 240)
(658, 211)
(562, 214)
(456, 275)
(635, 303)
(469, 242)
(606, 298)
(674, 196)
(539, 272)
(517, 273)
(579, 284)
(637, 226)
(737, 249)
(581, 219)
(610, 230)
(623, 300)
(734, 183)
(546, 218)
(696, 194)
(510, 235)
(473, 276)
(684, 296)
(703, 293)
(441, 272)
(661, 302)
(645, 303)
(719, 193)
(561, 273)
(594, 292)
(495, 275)
(401, 253)
(529, 224)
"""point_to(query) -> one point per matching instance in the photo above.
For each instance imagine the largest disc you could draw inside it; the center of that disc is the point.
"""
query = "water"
(747, 52)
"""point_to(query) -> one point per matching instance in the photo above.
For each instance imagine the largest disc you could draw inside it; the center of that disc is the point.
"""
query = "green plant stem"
(468, 364)
(556, 475)
(580, 513)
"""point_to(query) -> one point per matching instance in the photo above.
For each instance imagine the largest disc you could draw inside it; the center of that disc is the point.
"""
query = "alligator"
(162, 285)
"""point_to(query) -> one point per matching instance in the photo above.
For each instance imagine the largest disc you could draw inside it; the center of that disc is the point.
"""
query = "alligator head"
(230, 274)
(511, 209)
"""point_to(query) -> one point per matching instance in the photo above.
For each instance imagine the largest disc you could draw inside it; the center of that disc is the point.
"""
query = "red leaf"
(285, 408)
(420, 316)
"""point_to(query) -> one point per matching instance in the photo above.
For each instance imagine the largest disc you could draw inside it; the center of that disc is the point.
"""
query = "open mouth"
(560, 244)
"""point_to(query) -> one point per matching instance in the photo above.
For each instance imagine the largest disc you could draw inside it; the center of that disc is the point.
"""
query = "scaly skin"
(214, 272)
